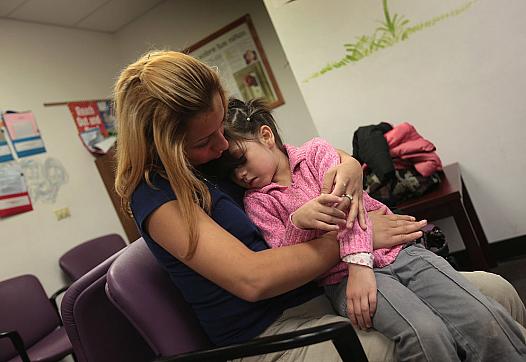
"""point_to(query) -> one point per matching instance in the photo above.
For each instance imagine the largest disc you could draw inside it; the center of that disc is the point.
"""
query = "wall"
(178, 24)
(459, 80)
(51, 64)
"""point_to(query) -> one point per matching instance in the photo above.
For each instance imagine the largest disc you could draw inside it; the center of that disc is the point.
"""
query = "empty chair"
(97, 330)
(30, 327)
(84, 257)
(143, 291)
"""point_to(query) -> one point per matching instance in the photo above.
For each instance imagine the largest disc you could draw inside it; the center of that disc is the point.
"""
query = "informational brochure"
(106, 113)
(92, 126)
(24, 133)
(87, 116)
(5, 150)
(14, 197)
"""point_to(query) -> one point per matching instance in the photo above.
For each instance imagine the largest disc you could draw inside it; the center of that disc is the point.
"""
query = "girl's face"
(205, 134)
(258, 164)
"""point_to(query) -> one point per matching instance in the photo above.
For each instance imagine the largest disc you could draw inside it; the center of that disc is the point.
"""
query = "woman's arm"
(392, 229)
(347, 178)
(227, 262)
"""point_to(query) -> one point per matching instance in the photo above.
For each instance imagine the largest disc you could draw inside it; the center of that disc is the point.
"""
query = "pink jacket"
(269, 208)
(408, 148)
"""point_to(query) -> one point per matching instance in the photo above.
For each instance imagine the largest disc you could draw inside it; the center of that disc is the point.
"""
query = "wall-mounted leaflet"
(95, 128)
(5, 150)
(14, 197)
(24, 133)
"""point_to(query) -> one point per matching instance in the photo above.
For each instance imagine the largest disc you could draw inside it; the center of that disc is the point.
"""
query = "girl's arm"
(277, 230)
(321, 156)
(227, 262)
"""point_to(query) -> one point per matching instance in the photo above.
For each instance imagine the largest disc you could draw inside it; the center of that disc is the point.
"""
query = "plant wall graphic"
(392, 30)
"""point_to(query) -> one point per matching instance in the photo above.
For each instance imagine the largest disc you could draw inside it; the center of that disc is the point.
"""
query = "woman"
(170, 110)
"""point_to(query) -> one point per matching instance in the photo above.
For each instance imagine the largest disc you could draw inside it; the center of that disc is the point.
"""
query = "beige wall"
(50, 64)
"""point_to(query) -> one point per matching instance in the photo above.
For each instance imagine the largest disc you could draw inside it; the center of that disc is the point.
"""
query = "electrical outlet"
(62, 213)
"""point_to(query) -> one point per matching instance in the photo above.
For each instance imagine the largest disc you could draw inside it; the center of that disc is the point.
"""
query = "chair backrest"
(143, 291)
(97, 330)
(84, 257)
(25, 307)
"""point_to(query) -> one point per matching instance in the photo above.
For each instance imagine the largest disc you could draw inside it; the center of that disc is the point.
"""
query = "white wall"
(460, 82)
(178, 24)
(50, 64)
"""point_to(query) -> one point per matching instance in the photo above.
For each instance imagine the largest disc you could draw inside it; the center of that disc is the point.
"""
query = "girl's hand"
(320, 213)
(392, 230)
(361, 296)
(347, 178)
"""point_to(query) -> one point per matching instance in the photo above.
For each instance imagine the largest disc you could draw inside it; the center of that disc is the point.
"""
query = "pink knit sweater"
(270, 207)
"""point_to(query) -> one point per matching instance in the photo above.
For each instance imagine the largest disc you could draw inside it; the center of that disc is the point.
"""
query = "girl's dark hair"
(244, 120)
(242, 123)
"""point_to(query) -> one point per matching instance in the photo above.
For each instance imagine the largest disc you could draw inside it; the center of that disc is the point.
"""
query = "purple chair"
(97, 330)
(84, 257)
(30, 326)
(144, 293)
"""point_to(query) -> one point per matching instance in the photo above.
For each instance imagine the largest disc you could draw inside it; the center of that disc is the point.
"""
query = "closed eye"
(240, 161)
(202, 143)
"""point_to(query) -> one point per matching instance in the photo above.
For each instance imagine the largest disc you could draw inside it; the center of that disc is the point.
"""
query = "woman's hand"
(392, 230)
(361, 296)
(347, 178)
(320, 213)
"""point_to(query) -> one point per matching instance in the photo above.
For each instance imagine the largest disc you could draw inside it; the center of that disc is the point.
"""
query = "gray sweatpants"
(433, 313)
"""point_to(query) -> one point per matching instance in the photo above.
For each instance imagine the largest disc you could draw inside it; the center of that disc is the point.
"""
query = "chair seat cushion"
(53, 347)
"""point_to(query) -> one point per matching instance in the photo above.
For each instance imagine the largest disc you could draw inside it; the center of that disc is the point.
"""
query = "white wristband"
(365, 259)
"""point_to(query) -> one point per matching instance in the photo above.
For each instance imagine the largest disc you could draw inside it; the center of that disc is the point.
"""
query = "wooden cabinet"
(106, 166)
(451, 198)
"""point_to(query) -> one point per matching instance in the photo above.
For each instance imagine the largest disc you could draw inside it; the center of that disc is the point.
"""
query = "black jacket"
(370, 147)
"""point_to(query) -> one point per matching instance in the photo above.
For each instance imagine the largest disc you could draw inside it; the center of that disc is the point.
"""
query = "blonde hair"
(155, 97)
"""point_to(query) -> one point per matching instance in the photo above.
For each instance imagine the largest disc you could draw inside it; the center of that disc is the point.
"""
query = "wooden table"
(451, 198)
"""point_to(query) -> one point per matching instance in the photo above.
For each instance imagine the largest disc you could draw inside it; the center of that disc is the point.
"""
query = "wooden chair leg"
(478, 261)
(475, 223)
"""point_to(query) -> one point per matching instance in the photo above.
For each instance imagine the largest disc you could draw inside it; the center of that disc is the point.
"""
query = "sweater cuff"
(365, 259)
(356, 240)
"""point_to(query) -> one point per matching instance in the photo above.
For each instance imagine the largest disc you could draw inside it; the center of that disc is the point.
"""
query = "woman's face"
(205, 134)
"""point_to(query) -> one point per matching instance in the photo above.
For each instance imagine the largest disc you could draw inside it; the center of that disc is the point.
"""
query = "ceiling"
(97, 15)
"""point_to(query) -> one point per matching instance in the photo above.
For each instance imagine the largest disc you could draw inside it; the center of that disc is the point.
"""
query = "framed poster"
(237, 53)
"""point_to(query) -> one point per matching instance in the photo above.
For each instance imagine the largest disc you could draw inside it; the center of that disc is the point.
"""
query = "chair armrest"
(18, 343)
(342, 335)
(53, 300)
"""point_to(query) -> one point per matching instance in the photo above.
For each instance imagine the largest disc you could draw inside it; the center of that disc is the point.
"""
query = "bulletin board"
(235, 50)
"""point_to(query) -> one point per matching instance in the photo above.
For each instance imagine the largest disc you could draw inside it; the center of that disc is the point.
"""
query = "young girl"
(424, 305)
